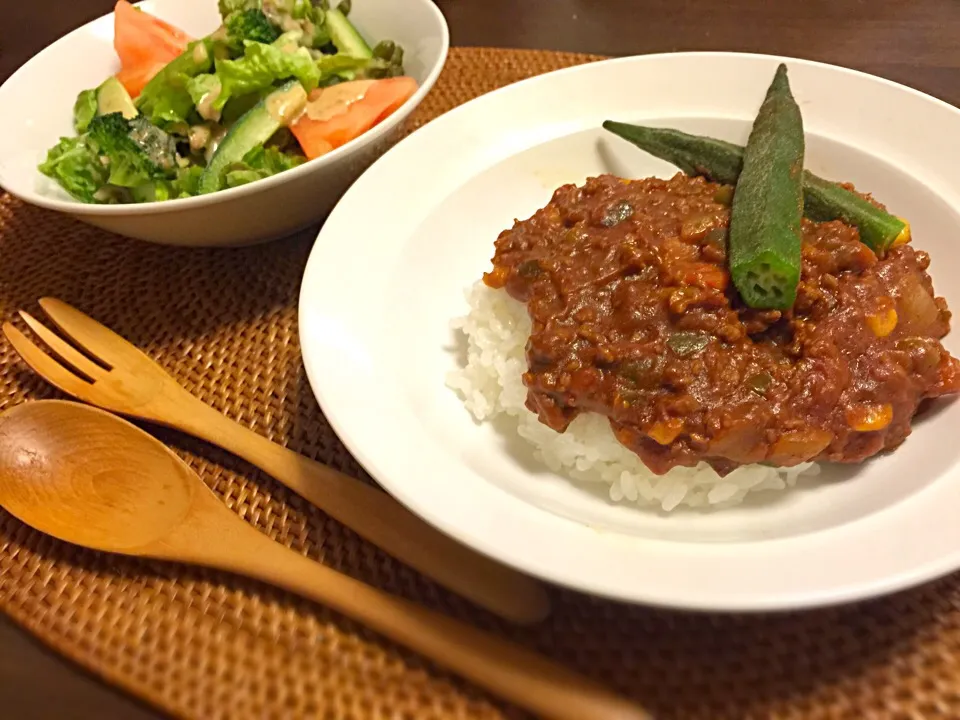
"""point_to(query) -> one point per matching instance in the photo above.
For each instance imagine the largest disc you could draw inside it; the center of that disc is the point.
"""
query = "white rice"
(497, 329)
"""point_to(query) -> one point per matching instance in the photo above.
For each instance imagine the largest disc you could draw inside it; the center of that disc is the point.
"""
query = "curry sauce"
(634, 317)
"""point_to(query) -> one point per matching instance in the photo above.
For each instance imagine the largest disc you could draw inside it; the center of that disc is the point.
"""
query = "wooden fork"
(131, 384)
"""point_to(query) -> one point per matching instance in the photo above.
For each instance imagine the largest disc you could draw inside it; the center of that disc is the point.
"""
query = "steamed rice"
(497, 328)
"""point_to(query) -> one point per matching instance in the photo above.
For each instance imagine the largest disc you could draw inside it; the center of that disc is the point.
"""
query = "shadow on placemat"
(205, 645)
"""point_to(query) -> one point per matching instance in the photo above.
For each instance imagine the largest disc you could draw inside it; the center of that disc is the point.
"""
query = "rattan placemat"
(205, 645)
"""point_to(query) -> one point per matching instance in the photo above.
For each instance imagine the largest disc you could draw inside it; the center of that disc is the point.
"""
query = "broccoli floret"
(228, 7)
(116, 160)
(250, 25)
(137, 151)
(281, 15)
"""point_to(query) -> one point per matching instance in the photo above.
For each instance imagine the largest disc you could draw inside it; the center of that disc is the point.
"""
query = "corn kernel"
(665, 432)
(883, 323)
(904, 237)
(869, 418)
(497, 278)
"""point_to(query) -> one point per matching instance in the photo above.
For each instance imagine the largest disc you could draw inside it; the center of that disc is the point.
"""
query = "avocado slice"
(113, 97)
(345, 36)
(278, 109)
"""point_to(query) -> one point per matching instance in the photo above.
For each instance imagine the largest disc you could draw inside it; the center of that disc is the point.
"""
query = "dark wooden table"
(912, 42)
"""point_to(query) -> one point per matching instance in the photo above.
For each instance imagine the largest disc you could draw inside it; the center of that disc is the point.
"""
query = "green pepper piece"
(529, 269)
(685, 343)
(644, 373)
(718, 237)
(759, 382)
(724, 195)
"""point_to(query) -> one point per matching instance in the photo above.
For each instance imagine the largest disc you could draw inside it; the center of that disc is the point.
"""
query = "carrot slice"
(391, 94)
(322, 132)
(136, 77)
(142, 39)
(706, 275)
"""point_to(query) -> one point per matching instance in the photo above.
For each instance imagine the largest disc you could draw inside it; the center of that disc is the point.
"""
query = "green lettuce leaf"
(236, 178)
(165, 100)
(84, 110)
(75, 165)
(260, 163)
(263, 65)
(152, 192)
(259, 69)
(205, 91)
(187, 183)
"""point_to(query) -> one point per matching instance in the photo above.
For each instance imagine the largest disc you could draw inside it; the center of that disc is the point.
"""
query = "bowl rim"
(77, 207)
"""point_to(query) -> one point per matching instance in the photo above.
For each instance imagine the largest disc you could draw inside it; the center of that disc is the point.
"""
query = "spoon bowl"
(73, 476)
(89, 478)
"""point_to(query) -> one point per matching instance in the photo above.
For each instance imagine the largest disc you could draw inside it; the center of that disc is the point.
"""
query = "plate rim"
(820, 597)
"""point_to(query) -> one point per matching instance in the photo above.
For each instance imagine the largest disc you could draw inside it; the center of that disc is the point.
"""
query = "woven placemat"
(206, 645)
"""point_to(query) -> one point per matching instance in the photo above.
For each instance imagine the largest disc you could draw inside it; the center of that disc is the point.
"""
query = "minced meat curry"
(634, 316)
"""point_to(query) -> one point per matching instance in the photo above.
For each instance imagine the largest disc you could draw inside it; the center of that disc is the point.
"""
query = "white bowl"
(380, 289)
(44, 89)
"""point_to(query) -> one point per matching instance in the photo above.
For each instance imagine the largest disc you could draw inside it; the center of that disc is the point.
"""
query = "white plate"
(388, 272)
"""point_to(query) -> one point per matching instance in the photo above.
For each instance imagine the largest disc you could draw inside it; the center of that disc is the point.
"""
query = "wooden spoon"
(92, 479)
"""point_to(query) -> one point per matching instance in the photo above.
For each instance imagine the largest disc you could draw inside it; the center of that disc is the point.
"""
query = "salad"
(280, 82)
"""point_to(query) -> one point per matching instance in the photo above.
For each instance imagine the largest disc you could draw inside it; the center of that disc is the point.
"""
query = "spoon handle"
(505, 669)
(375, 516)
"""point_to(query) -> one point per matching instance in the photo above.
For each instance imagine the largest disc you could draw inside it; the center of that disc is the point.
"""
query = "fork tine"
(62, 348)
(100, 341)
(44, 365)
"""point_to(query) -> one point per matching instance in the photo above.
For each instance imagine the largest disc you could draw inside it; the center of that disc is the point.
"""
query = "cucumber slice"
(278, 109)
(345, 36)
(113, 97)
